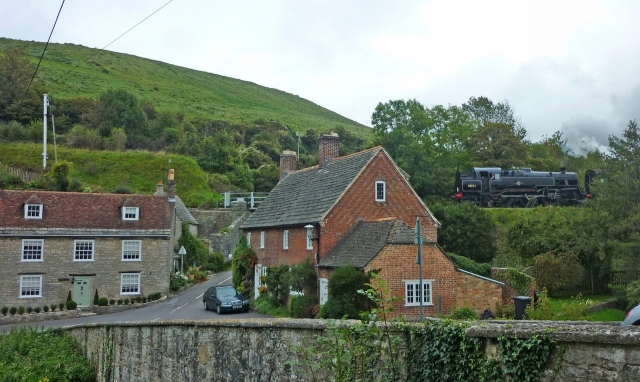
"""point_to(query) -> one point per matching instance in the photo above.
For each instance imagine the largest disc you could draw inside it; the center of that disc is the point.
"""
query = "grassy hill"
(106, 171)
(172, 88)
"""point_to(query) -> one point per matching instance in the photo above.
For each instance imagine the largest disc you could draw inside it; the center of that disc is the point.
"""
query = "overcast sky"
(562, 65)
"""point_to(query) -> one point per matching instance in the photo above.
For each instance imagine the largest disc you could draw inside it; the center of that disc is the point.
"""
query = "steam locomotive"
(495, 187)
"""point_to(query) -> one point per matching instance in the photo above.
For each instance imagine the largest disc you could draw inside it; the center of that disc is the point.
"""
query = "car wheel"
(205, 305)
(218, 310)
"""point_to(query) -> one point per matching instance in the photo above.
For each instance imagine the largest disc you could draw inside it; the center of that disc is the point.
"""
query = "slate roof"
(305, 196)
(183, 213)
(82, 211)
(365, 240)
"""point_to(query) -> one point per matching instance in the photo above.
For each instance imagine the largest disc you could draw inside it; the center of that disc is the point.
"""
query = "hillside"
(106, 171)
(172, 88)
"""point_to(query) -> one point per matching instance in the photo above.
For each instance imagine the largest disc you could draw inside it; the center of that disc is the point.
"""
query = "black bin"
(521, 303)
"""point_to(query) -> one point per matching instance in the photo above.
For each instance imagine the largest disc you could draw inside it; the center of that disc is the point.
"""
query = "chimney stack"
(159, 189)
(288, 164)
(171, 186)
(328, 148)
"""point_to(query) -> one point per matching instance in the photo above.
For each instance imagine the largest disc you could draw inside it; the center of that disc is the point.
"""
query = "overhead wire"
(44, 50)
(106, 46)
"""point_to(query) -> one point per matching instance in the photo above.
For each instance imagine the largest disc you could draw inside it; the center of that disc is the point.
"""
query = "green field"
(198, 95)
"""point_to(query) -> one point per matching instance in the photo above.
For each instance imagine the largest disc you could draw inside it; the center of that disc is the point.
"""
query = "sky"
(570, 66)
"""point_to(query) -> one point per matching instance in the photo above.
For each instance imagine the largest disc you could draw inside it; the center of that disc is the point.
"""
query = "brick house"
(334, 212)
(55, 242)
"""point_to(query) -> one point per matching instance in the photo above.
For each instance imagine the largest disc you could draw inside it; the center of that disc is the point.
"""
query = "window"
(380, 191)
(130, 213)
(83, 250)
(130, 283)
(33, 211)
(30, 286)
(285, 239)
(32, 249)
(249, 239)
(262, 240)
(412, 292)
(131, 250)
(310, 238)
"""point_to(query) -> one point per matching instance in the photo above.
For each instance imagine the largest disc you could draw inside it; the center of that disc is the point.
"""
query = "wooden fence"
(26, 176)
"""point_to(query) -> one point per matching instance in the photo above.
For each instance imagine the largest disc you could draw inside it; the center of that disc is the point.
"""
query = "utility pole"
(45, 103)
(417, 239)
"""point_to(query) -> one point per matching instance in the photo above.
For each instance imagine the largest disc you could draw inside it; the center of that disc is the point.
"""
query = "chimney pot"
(159, 189)
(171, 186)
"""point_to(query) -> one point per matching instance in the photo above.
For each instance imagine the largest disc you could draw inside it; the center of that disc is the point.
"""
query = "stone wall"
(213, 221)
(261, 349)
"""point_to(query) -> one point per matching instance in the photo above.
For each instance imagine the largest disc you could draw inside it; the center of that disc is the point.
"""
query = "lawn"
(574, 308)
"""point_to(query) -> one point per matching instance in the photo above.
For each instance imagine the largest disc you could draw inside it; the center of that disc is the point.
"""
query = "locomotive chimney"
(328, 148)
(563, 170)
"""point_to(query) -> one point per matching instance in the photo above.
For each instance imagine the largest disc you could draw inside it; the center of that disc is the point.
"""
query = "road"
(187, 305)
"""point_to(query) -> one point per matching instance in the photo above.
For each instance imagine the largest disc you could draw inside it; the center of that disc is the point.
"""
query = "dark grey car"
(633, 317)
(225, 299)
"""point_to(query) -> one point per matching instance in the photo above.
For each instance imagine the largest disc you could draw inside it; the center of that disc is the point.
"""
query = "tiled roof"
(183, 213)
(364, 241)
(73, 210)
(305, 196)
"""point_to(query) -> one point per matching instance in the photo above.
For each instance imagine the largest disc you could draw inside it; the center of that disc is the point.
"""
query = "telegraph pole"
(417, 239)
(45, 103)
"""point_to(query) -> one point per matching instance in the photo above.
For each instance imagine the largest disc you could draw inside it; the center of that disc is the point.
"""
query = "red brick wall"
(273, 254)
(359, 203)
(478, 294)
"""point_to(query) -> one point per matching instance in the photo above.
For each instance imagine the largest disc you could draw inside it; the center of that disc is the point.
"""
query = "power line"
(44, 50)
(106, 46)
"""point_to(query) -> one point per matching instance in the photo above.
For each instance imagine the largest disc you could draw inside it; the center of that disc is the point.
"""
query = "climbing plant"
(242, 263)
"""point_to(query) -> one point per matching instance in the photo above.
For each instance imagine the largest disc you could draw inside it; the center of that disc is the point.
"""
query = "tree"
(120, 108)
(197, 251)
(498, 145)
(16, 103)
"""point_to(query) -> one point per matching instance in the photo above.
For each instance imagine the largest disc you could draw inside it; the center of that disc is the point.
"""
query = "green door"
(82, 291)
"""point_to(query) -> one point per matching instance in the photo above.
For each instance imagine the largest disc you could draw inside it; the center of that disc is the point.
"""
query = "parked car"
(633, 317)
(225, 299)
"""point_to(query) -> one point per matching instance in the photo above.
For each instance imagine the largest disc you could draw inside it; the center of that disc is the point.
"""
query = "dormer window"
(33, 211)
(381, 194)
(130, 213)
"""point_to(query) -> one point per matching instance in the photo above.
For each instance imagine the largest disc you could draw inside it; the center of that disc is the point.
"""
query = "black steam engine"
(494, 187)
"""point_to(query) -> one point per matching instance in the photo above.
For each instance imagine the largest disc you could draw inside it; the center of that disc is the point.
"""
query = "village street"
(185, 306)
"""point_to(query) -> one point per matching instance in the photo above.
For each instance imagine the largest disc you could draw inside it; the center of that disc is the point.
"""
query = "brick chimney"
(288, 164)
(327, 148)
(171, 186)
(159, 189)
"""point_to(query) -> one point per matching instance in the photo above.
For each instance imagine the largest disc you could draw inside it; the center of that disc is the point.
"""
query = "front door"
(82, 291)
(324, 291)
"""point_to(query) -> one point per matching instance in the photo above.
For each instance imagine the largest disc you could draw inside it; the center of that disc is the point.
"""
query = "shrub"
(541, 310)
(69, 296)
(633, 294)
(268, 305)
(556, 271)
(120, 301)
(138, 299)
(53, 307)
(344, 299)
(464, 313)
(112, 301)
(45, 308)
(302, 306)
(214, 262)
(61, 305)
(144, 299)
(37, 309)
(277, 280)
(96, 298)
(29, 310)
(243, 262)
(462, 262)
(303, 277)
(20, 310)
(71, 305)
(13, 310)
(5, 310)
(126, 301)
(103, 301)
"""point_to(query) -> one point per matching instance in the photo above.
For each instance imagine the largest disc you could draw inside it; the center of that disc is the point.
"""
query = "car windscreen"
(226, 292)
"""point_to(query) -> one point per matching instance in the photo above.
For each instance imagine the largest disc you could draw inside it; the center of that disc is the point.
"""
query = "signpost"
(182, 252)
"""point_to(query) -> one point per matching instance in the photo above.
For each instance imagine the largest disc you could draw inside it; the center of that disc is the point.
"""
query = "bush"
(465, 263)
(53, 307)
(277, 281)
(344, 299)
(71, 305)
(20, 310)
(120, 301)
(633, 294)
(268, 305)
(144, 299)
(5, 309)
(112, 301)
(13, 310)
(541, 310)
(37, 309)
(126, 301)
(61, 305)
(138, 299)
(29, 310)
(302, 306)
(464, 313)
(96, 298)
(103, 301)
(556, 271)
(69, 296)
(214, 262)
(45, 308)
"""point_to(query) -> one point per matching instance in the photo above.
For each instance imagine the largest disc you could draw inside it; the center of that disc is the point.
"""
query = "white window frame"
(309, 238)
(30, 283)
(261, 239)
(75, 250)
(32, 242)
(411, 287)
(135, 211)
(128, 276)
(249, 239)
(33, 211)
(384, 191)
(127, 253)
(285, 239)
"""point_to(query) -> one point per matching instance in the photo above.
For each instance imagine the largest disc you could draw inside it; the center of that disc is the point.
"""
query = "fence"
(26, 176)
(253, 199)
